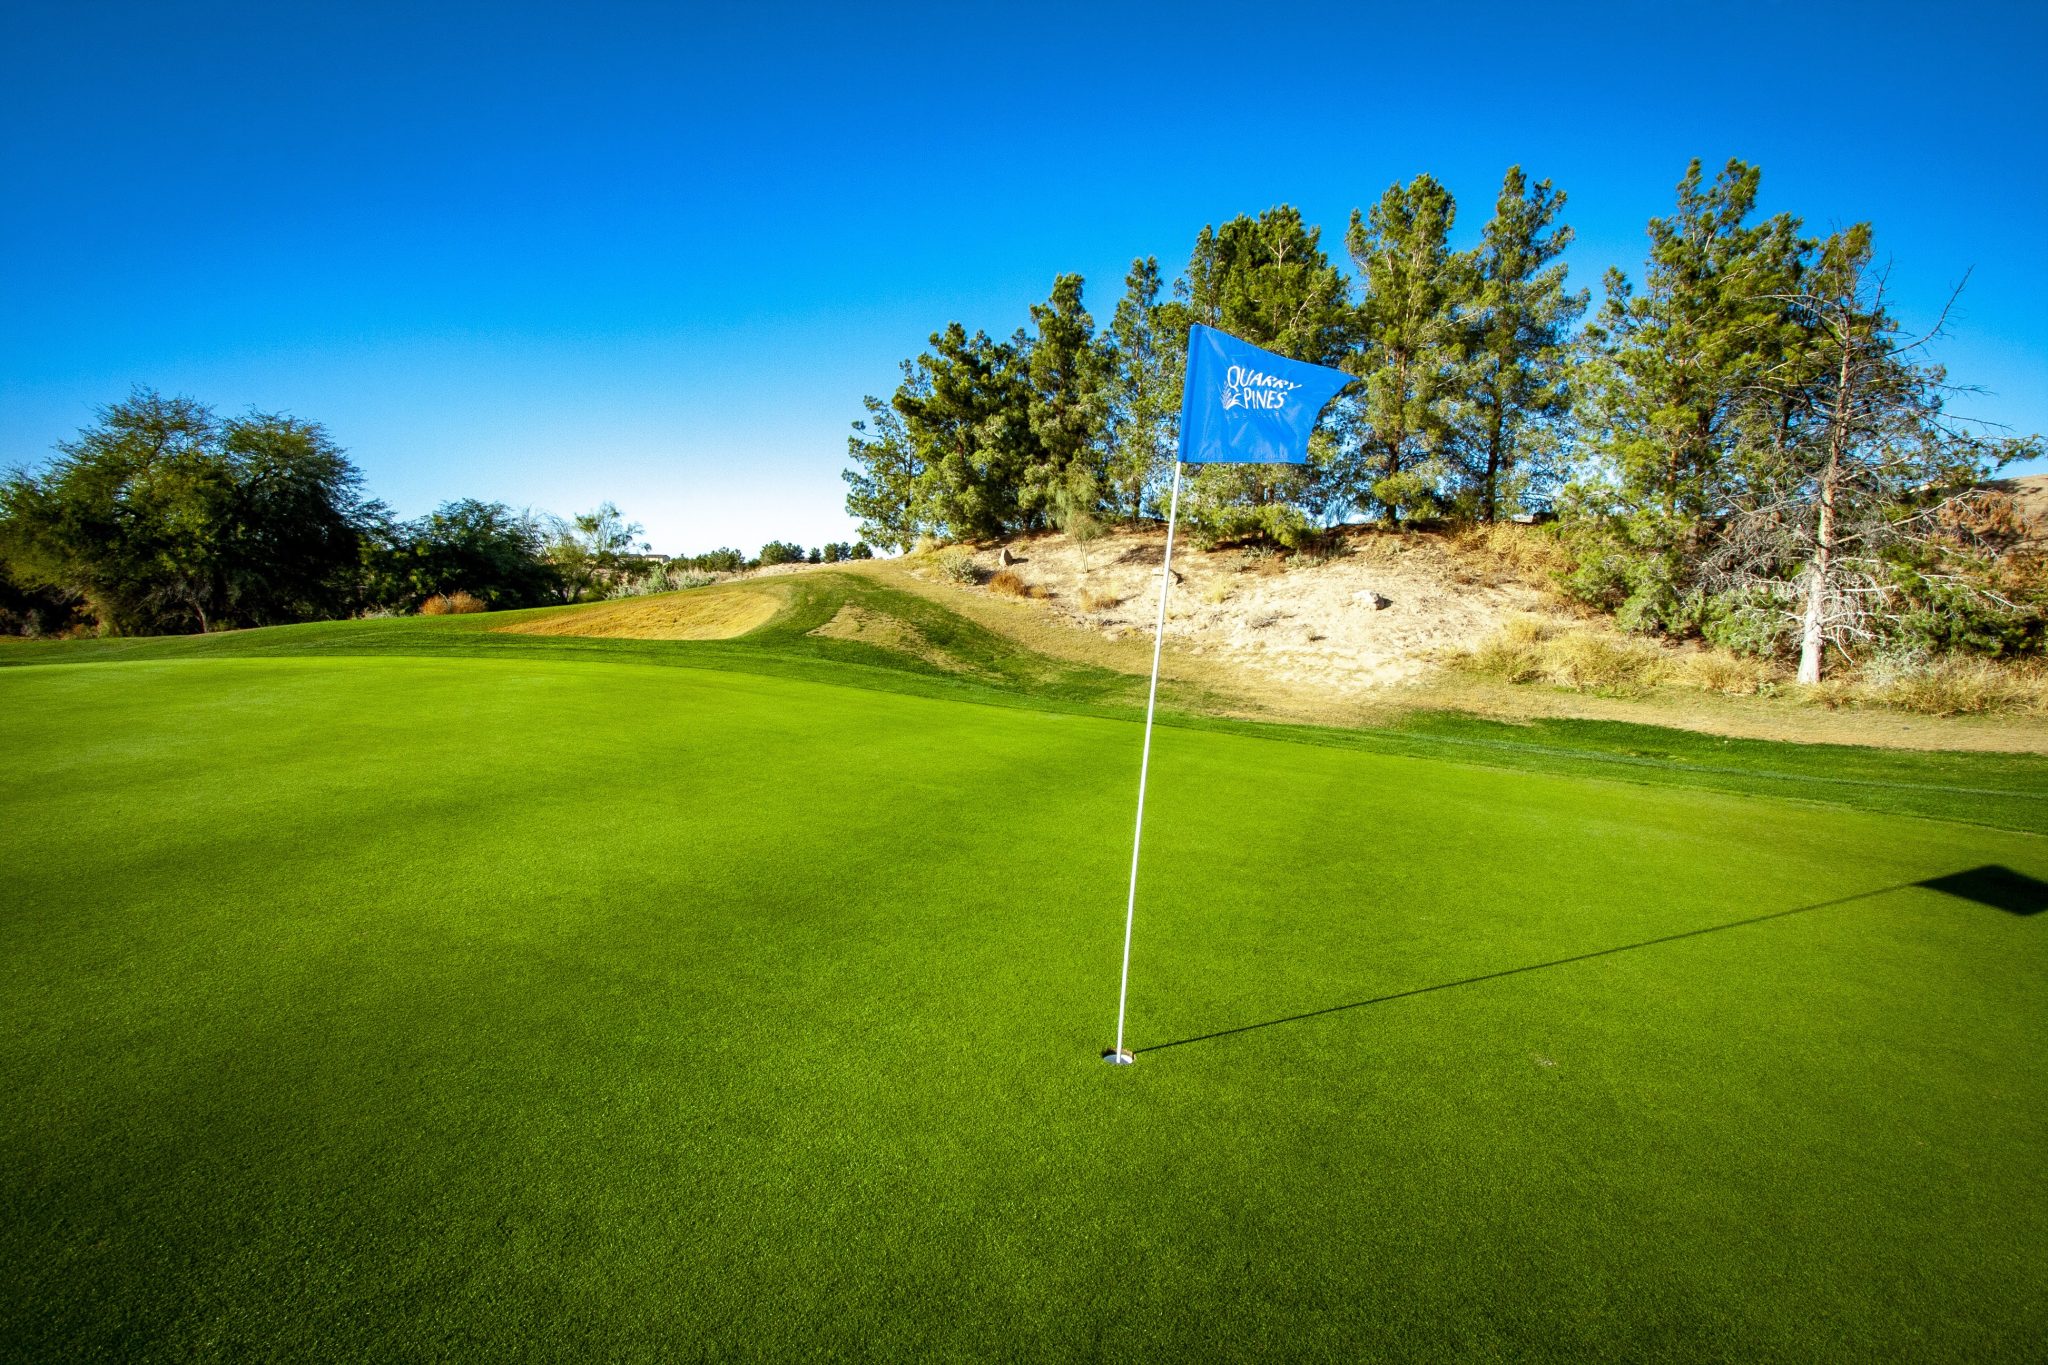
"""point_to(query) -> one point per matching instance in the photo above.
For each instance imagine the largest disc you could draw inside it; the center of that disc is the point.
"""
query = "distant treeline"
(163, 517)
(1743, 445)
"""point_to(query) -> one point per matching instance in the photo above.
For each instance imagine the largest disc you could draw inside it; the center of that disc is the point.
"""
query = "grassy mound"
(719, 613)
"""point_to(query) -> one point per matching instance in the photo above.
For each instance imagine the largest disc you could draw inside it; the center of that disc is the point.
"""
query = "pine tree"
(1413, 342)
(1516, 396)
(885, 486)
(1145, 393)
(1070, 373)
(1863, 472)
(1267, 281)
(1679, 362)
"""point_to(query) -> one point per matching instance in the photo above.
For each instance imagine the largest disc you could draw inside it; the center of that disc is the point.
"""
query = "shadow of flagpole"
(1934, 883)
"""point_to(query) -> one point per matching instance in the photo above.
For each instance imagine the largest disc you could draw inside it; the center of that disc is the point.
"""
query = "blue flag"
(1242, 405)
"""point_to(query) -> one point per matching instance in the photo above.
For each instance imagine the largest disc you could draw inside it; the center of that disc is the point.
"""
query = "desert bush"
(955, 564)
(1749, 621)
(452, 604)
(926, 545)
(1217, 593)
(1506, 660)
(1528, 629)
(1095, 599)
(664, 578)
(1010, 583)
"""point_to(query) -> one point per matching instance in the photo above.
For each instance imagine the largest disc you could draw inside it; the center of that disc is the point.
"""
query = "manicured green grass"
(491, 1002)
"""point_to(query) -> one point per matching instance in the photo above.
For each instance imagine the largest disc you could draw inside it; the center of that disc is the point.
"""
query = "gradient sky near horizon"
(654, 253)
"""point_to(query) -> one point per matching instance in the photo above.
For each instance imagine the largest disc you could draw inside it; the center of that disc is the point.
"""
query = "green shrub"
(1947, 618)
(1753, 621)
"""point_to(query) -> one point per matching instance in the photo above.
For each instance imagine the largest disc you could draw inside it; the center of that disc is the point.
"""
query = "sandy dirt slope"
(1309, 644)
(1374, 617)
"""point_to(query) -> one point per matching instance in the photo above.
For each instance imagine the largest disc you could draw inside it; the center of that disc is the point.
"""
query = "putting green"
(521, 1007)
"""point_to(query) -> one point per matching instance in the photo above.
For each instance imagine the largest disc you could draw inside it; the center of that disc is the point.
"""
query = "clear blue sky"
(552, 255)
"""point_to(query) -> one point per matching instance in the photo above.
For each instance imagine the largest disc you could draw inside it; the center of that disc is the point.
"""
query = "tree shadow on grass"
(1999, 887)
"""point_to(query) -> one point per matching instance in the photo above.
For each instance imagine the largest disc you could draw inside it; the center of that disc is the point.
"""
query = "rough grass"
(635, 1012)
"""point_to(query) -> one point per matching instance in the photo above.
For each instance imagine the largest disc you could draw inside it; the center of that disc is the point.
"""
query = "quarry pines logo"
(1243, 388)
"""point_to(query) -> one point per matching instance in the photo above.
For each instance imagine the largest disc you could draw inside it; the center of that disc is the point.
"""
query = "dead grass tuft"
(452, 604)
(1094, 599)
(1010, 583)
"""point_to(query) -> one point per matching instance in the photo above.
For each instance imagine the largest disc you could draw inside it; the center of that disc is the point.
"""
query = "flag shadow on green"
(1994, 885)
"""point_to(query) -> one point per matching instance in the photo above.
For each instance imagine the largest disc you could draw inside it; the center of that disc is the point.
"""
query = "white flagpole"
(1119, 1055)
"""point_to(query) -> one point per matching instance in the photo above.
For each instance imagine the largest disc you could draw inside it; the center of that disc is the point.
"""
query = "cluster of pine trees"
(1743, 444)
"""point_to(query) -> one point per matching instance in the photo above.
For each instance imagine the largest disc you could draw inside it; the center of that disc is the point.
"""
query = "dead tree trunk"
(1812, 636)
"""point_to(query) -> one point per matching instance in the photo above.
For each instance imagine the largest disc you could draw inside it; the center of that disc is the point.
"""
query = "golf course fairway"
(416, 1007)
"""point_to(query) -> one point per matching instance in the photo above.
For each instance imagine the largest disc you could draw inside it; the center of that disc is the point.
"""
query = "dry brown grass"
(1953, 686)
(1010, 583)
(1095, 599)
(1731, 674)
(452, 604)
(1528, 554)
(1533, 649)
